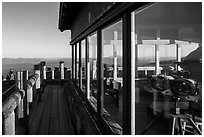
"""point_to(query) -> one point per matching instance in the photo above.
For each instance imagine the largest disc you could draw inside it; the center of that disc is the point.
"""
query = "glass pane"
(77, 62)
(83, 65)
(112, 62)
(93, 68)
(169, 39)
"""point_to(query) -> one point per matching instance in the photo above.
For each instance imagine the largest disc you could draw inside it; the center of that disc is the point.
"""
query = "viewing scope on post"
(180, 87)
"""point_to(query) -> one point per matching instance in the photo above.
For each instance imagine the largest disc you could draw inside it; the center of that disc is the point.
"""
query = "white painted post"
(61, 63)
(18, 77)
(53, 74)
(115, 56)
(178, 56)
(21, 79)
(20, 103)
(94, 69)
(157, 71)
(115, 37)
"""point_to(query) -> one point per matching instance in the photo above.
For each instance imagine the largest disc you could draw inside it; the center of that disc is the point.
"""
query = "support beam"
(80, 67)
(87, 69)
(73, 62)
(128, 75)
(100, 88)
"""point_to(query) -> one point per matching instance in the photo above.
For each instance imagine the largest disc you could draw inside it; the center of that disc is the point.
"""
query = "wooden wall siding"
(88, 14)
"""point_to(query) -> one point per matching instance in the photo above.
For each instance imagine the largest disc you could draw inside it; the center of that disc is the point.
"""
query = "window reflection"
(112, 62)
(93, 67)
(83, 53)
(168, 35)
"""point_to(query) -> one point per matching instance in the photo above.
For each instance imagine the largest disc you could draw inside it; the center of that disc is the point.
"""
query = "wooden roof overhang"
(109, 13)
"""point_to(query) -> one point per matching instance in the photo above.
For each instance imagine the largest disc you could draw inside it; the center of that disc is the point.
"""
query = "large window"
(112, 62)
(93, 64)
(83, 66)
(168, 41)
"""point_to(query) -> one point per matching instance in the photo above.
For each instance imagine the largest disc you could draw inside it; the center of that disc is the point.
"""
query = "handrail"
(8, 114)
(11, 103)
(32, 81)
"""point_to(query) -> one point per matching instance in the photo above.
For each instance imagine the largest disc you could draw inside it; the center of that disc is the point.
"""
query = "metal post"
(100, 88)
(87, 69)
(128, 74)
(61, 66)
(53, 74)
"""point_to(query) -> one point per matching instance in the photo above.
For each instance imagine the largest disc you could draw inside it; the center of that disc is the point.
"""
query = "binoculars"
(180, 87)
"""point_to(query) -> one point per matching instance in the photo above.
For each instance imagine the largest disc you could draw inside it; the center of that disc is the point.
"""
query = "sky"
(30, 30)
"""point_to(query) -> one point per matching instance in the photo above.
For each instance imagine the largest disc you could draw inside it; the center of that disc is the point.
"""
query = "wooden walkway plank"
(36, 117)
(51, 116)
(64, 122)
(44, 126)
(54, 113)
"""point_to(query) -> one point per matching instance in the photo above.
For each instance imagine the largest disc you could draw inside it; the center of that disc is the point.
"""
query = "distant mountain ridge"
(19, 64)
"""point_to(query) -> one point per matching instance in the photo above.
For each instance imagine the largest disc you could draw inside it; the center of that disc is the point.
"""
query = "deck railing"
(23, 93)
(18, 102)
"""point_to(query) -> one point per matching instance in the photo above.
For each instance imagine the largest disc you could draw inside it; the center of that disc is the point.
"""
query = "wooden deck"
(51, 115)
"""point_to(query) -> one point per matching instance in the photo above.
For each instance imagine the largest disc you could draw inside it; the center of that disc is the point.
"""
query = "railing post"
(18, 77)
(9, 125)
(20, 103)
(25, 102)
(37, 71)
(61, 66)
(53, 74)
(43, 70)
